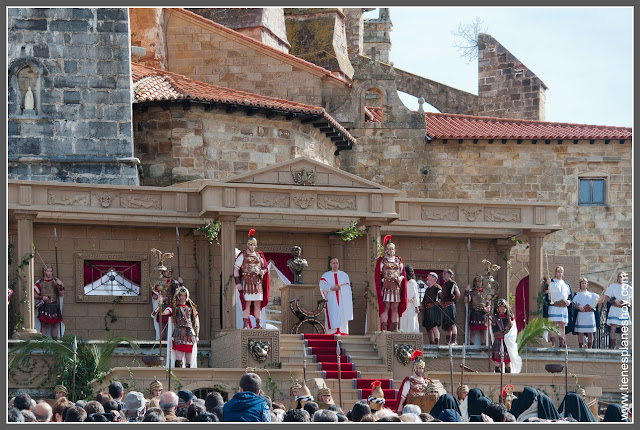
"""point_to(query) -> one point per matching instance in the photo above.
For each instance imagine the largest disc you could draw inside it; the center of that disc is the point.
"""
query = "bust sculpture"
(297, 264)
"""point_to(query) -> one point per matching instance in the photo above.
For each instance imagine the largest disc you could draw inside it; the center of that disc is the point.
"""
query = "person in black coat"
(614, 414)
(573, 405)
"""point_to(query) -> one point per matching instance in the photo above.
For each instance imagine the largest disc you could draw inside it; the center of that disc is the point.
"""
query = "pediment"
(287, 172)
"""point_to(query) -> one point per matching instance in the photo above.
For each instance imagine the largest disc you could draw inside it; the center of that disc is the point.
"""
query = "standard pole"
(55, 244)
(451, 366)
(338, 351)
(178, 248)
(73, 383)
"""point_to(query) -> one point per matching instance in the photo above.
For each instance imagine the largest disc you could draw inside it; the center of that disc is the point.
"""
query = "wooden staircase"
(359, 351)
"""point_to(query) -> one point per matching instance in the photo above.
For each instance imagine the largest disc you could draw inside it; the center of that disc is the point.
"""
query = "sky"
(583, 55)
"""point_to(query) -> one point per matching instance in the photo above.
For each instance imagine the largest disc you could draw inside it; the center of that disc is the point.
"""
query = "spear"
(338, 351)
(178, 248)
(304, 361)
(73, 383)
(55, 244)
(566, 368)
(466, 315)
(501, 367)
(451, 365)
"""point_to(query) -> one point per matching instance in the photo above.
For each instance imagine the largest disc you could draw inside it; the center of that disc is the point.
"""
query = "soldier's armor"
(252, 265)
(184, 331)
(445, 295)
(417, 386)
(390, 271)
(478, 300)
(163, 287)
(50, 289)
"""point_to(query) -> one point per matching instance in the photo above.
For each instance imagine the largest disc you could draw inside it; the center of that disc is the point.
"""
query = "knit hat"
(185, 396)
(134, 401)
(324, 391)
(61, 388)
(376, 399)
(431, 387)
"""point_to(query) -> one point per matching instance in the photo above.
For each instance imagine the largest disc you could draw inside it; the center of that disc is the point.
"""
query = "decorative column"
(228, 287)
(24, 293)
(373, 244)
(536, 242)
(503, 247)
(203, 292)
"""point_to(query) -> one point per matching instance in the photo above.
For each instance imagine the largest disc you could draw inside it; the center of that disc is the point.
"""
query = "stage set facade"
(229, 123)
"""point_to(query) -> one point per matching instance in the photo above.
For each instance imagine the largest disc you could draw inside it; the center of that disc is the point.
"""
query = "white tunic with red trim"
(339, 308)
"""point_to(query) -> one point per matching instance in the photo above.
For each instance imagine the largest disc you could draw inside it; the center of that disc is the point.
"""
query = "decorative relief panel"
(271, 336)
(25, 195)
(409, 339)
(139, 201)
(270, 200)
(375, 203)
(104, 199)
(502, 215)
(304, 200)
(182, 202)
(337, 202)
(403, 211)
(229, 197)
(540, 215)
(68, 198)
(440, 213)
(471, 213)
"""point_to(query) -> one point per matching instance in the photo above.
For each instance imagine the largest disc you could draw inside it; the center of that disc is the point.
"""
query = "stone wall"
(175, 145)
(208, 54)
(147, 31)
(599, 235)
(377, 33)
(76, 62)
(506, 87)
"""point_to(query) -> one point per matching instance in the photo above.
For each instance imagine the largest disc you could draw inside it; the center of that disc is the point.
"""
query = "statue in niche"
(297, 264)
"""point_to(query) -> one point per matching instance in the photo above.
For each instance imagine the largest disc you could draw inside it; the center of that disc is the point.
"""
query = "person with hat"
(48, 294)
(155, 388)
(303, 396)
(324, 398)
(463, 402)
(504, 332)
(134, 406)
(376, 398)
(431, 319)
(184, 339)
(416, 384)
(391, 286)
(60, 391)
(449, 295)
(185, 398)
(478, 311)
(293, 392)
(161, 294)
(251, 275)
(336, 289)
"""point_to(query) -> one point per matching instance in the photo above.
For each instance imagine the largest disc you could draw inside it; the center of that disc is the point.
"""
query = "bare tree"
(468, 45)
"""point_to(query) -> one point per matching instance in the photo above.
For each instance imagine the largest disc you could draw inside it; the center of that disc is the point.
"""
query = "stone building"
(222, 106)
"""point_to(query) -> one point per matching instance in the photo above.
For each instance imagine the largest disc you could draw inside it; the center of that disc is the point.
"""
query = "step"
(366, 383)
(365, 359)
(388, 393)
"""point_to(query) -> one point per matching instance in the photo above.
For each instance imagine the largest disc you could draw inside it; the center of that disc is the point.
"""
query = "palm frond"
(103, 352)
(535, 330)
(62, 349)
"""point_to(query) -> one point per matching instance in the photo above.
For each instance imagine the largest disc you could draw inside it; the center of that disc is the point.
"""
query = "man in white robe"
(560, 295)
(336, 289)
(409, 319)
(620, 295)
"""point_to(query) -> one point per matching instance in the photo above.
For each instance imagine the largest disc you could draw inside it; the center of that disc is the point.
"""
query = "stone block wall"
(215, 56)
(377, 33)
(177, 145)
(88, 319)
(506, 87)
(147, 31)
(76, 61)
(599, 235)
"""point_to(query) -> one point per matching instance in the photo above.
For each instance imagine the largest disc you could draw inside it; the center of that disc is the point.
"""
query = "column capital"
(536, 233)
(229, 217)
(26, 215)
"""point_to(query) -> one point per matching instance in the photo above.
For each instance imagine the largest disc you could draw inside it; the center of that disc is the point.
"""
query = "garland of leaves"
(350, 232)
(111, 313)
(211, 230)
(20, 272)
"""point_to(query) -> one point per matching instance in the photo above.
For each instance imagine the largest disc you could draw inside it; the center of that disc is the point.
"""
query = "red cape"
(403, 288)
(265, 284)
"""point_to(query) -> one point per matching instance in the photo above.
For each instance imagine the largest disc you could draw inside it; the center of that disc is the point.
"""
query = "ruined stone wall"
(354, 28)
(506, 87)
(147, 31)
(599, 235)
(177, 145)
(76, 61)
(200, 53)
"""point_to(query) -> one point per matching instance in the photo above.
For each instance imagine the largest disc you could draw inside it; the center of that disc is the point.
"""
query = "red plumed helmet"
(252, 232)
(416, 353)
(375, 384)
(387, 238)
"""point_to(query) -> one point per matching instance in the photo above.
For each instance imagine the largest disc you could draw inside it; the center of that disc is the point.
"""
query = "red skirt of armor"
(495, 351)
(49, 313)
(477, 320)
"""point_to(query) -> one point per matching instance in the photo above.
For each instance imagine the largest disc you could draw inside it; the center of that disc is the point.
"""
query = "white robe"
(339, 309)
(409, 319)
(512, 347)
(623, 292)
(559, 290)
(586, 321)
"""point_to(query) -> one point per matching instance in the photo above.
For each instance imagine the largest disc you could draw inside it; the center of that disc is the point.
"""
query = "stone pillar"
(503, 247)
(203, 293)
(228, 287)
(536, 241)
(24, 290)
(373, 244)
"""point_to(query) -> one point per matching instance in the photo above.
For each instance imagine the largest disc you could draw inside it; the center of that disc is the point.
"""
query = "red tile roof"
(372, 114)
(262, 46)
(154, 85)
(452, 126)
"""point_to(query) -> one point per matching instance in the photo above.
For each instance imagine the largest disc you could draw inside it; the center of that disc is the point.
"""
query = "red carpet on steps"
(323, 348)
(334, 366)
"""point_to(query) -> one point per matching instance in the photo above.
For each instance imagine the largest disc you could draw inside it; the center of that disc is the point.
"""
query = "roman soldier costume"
(391, 285)
(48, 311)
(416, 384)
(251, 276)
(479, 303)
(501, 324)
(431, 305)
(186, 326)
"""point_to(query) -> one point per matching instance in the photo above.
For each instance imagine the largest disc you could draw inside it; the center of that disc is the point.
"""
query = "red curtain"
(95, 269)
(522, 303)
(280, 260)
